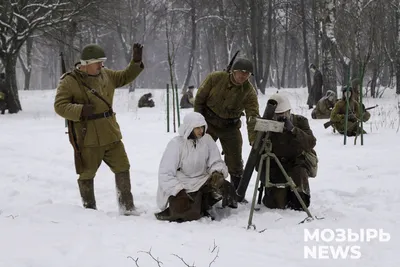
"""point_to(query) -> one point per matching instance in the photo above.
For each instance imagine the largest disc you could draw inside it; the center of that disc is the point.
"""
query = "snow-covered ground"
(43, 224)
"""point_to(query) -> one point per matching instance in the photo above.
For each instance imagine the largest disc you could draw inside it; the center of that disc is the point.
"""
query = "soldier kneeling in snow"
(191, 176)
(294, 148)
(146, 102)
(324, 106)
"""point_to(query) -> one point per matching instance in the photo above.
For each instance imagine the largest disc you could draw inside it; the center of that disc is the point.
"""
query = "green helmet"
(92, 53)
(243, 64)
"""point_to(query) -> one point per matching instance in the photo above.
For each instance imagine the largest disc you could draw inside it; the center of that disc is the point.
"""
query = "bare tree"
(328, 46)
(18, 21)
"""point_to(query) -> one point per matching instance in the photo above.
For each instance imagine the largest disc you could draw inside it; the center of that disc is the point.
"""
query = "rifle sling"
(94, 92)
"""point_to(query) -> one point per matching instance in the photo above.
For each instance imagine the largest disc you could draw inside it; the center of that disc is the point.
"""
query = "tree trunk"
(13, 103)
(375, 70)
(328, 64)
(193, 46)
(255, 37)
(398, 50)
(316, 32)
(276, 55)
(305, 46)
(268, 50)
(226, 46)
(27, 66)
(285, 53)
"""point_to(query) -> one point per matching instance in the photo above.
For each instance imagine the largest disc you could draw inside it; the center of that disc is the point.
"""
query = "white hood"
(191, 121)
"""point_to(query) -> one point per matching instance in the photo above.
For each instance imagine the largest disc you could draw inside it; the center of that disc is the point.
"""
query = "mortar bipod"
(266, 157)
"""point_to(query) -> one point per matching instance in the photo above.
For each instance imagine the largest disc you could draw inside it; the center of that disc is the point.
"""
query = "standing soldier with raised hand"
(85, 97)
(221, 99)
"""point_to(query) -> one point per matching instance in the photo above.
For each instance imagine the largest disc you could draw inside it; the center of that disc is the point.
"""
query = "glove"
(288, 126)
(363, 107)
(217, 180)
(181, 202)
(352, 118)
(87, 110)
(137, 52)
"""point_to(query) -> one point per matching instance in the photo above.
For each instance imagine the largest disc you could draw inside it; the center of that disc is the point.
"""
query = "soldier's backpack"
(311, 161)
(311, 158)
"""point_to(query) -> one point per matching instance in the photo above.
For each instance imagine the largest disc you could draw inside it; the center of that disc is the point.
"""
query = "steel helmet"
(283, 103)
(92, 53)
(243, 64)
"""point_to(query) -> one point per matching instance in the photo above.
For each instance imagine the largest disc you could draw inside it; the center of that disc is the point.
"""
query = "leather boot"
(86, 189)
(235, 180)
(229, 197)
(124, 195)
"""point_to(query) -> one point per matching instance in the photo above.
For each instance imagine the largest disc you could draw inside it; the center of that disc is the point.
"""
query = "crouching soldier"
(292, 148)
(145, 101)
(354, 114)
(187, 100)
(324, 106)
(191, 176)
(3, 93)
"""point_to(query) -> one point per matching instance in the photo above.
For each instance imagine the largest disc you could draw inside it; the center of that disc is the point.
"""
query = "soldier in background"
(187, 100)
(145, 101)
(354, 114)
(324, 106)
(316, 89)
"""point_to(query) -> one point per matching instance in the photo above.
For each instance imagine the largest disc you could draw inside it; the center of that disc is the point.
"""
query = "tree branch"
(135, 260)
(184, 261)
(159, 263)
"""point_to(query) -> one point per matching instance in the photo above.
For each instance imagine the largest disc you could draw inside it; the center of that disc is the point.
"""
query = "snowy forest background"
(184, 40)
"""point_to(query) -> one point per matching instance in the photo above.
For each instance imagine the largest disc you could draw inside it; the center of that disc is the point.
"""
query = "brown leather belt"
(106, 114)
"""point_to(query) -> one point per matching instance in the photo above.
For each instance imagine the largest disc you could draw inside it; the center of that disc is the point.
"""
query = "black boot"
(235, 180)
(124, 195)
(229, 197)
(86, 189)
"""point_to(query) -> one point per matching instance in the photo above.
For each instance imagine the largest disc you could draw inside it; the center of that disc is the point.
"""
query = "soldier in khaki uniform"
(324, 106)
(84, 97)
(187, 98)
(354, 114)
(221, 99)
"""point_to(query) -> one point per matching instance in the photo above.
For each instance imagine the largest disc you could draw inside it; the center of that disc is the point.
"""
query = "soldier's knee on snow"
(294, 203)
(275, 198)
(314, 114)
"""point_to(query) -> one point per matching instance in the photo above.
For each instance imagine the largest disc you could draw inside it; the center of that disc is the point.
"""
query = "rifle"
(329, 123)
(63, 71)
(255, 152)
(228, 68)
(71, 131)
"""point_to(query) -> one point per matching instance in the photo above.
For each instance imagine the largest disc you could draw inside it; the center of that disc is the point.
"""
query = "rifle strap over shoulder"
(93, 91)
